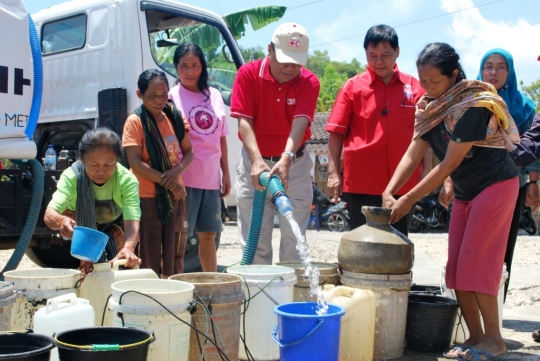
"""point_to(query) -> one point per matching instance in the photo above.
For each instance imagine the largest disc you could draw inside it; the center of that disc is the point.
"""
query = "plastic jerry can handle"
(122, 262)
(53, 303)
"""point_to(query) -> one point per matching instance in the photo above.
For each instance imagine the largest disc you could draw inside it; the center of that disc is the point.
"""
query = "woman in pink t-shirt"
(207, 180)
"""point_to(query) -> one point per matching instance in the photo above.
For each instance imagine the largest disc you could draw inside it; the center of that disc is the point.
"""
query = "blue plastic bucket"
(302, 334)
(88, 244)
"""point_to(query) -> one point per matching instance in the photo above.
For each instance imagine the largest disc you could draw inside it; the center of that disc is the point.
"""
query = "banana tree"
(208, 37)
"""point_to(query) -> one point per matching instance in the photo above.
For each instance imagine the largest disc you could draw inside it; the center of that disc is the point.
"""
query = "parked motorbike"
(526, 221)
(335, 217)
(430, 215)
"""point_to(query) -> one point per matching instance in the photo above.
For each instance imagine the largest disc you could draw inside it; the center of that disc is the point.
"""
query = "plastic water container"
(88, 244)
(358, 322)
(391, 296)
(50, 158)
(222, 294)
(302, 334)
(328, 275)
(25, 347)
(63, 313)
(461, 332)
(283, 204)
(140, 311)
(7, 299)
(108, 344)
(34, 287)
(96, 287)
(260, 320)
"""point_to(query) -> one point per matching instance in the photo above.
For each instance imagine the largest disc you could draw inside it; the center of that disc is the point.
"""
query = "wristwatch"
(533, 181)
(290, 154)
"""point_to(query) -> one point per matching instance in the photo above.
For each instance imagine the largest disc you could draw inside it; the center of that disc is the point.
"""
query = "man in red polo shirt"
(372, 121)
(274, 100)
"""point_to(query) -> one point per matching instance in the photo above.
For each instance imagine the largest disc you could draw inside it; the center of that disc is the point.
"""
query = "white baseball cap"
(291, 42)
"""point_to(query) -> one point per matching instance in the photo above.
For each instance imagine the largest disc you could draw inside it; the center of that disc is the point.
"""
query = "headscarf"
(521, 107)
(451, 106)
(157, 151)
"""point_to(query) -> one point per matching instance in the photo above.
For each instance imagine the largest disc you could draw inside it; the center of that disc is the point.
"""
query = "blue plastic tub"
(302, 334)
(88, 244)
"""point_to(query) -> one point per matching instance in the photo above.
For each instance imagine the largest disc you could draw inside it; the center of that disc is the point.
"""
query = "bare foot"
(495, 347)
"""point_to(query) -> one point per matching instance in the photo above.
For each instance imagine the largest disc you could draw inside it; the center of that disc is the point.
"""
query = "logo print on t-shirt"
(407, 91)
(203, 120)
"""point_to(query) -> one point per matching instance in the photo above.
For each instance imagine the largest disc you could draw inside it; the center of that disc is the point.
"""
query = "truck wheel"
(57, 256)
(192, 263)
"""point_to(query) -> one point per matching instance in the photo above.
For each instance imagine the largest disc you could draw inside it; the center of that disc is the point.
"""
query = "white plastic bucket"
(461, 332)
(391, 299)
(63, 313)
(260, 320)
(139, 311)
(34, 287)
(96, 287)
(7, 299)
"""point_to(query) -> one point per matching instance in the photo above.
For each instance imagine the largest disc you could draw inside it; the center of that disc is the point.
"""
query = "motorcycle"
(430, 215)
(335, 217)
(526, 221)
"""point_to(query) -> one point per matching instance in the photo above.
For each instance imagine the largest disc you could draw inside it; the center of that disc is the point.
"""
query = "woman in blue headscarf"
(497, 68)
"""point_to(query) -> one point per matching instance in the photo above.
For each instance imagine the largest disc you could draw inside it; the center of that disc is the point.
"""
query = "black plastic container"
(25, 347)
(103, 336)
(430, 322)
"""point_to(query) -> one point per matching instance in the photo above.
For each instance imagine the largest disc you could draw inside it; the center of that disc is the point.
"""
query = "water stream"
(309, 270)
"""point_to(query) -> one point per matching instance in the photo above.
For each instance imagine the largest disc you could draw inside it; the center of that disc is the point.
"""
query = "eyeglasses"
(498, 69)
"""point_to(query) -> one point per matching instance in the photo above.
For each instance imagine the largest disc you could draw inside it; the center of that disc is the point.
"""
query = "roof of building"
(318, 143)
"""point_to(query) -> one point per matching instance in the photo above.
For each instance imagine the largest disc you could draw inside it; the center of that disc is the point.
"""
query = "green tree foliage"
(331, 82)
(533, 92)
(332, 75)
(253, 53)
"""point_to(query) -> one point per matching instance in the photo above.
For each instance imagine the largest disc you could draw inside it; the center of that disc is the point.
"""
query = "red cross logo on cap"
(294, 43)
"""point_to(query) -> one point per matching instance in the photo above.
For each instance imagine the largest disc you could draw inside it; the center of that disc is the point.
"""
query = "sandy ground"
(521, 311)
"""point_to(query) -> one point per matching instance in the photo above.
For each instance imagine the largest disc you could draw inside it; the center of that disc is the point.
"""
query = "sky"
(472, 27)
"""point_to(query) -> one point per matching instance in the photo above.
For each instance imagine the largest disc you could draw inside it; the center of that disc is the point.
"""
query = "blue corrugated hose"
(31, 219)
(254, 231)
(38, 79)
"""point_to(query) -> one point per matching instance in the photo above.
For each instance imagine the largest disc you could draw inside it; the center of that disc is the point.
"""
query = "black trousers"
(512, 235)
(356, 201)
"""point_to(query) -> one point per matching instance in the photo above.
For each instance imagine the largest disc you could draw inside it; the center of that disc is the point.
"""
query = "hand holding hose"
(257, 168)
(281, 170)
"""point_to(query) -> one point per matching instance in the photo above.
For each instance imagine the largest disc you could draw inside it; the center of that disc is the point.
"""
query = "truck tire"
(57, 256)
(192, 263)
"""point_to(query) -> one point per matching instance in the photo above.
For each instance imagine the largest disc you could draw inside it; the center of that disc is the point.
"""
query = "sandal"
(458, 348)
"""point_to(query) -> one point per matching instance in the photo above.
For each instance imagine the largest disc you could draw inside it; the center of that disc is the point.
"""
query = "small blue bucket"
(88, 244)
(302, 334)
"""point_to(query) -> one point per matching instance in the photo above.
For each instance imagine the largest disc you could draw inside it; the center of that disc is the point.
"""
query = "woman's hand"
(130, 257)
(179, 192)
(66, 227)
(401, 208)
(168, 179)
(225, 186)
(447, 192)
(533, 197)
(388, 200)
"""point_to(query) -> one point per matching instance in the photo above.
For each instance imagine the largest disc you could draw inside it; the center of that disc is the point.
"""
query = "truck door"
(168, 24)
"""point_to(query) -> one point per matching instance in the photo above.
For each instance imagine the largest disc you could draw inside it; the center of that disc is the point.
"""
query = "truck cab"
(93, 52)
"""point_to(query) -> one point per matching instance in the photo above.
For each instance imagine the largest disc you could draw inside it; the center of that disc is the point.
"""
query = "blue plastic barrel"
(88, 244)
(302, 334)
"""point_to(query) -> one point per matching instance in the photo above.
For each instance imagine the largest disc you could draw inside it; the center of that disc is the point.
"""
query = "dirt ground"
(521, 311)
